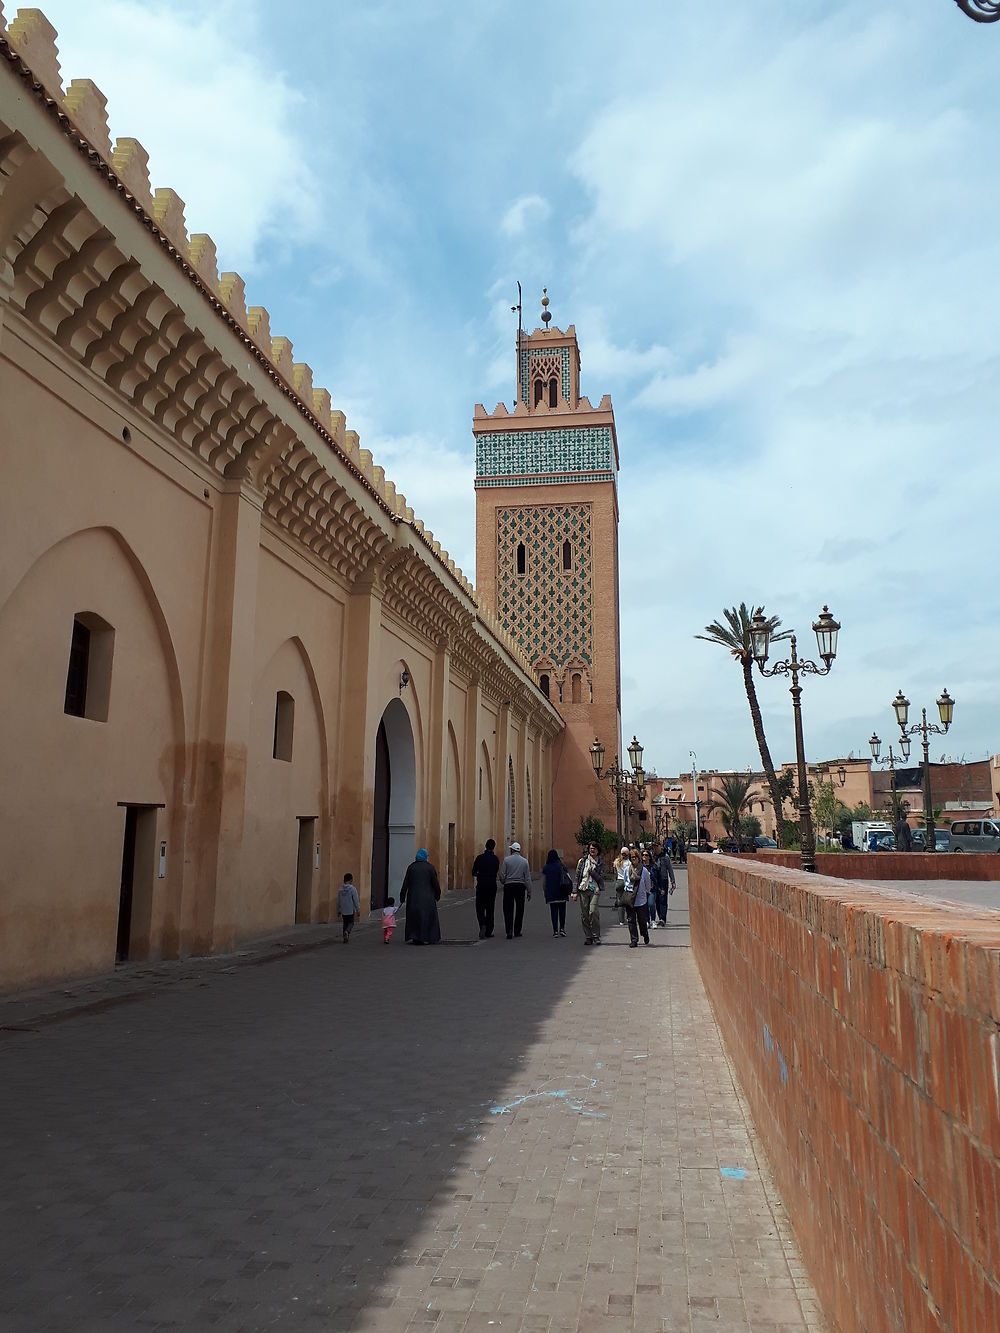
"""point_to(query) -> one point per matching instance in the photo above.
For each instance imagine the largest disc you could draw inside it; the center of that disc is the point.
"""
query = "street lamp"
(923, 728)
(890, 759)
(980, 11)
(697, 805)
(826, 630)
(841, 774)
(620, 779)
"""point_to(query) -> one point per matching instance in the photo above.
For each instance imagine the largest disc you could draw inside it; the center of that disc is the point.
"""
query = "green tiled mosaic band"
(530, 452)
(547, 479)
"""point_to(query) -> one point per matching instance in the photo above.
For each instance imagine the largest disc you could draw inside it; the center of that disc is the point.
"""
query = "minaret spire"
(546, 313)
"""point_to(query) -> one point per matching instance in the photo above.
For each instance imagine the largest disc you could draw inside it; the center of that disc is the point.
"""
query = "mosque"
(235, 663)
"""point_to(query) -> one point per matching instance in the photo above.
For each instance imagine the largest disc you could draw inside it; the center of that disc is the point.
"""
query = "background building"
(547, 556)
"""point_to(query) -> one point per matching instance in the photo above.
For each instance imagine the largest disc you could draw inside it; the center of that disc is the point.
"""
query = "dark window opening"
(88, 677)
(553, 392)
(567, 555)
(480, 784)
(543, 685)
(577, 688)
(521, 558)
(539, 391)
(76, 677)
(284, 725)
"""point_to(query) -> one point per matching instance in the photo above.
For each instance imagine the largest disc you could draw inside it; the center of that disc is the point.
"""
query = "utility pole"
(697, 805)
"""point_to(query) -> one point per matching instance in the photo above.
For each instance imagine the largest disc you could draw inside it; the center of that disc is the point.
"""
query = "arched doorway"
(393, 845)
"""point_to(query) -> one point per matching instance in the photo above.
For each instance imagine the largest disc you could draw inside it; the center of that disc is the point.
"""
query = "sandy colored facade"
(547, 557)
(235, 663)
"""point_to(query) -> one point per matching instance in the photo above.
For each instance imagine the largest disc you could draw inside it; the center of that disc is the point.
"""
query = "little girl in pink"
(388, 920)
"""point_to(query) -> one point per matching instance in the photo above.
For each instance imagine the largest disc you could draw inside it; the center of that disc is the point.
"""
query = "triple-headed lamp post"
(826, 629)
(621, 781)
(981, 11)
(923, 728)
(890, 759)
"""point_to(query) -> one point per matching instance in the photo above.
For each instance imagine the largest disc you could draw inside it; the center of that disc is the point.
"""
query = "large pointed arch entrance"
(393, 834)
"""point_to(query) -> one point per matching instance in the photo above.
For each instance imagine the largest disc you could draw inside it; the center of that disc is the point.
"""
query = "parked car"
(975, 835)
(918, 839)
(762, 840)
(884, 842)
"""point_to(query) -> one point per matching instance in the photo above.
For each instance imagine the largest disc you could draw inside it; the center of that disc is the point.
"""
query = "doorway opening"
(135, 900)
(394, 823)
(308, 854)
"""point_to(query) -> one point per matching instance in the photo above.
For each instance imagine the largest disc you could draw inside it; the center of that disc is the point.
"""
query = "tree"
(732, 800)
(736, 638)
(592, 830)
(750, 829)
(826, 806)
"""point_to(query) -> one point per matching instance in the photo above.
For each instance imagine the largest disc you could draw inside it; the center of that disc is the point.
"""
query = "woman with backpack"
(558, 887)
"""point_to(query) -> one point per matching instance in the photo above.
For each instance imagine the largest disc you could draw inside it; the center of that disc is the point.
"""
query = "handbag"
(565, 883)
(628, 896)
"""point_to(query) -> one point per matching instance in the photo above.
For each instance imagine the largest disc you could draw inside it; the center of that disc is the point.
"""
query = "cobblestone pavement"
(503, 1135)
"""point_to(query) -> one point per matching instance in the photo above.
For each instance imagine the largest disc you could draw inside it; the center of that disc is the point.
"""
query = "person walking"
(485, 869)
(619, 864)
(587, 884)
(420, 893)
(666, 886)
(904, 839)
(515, 877)
(557, 889)
(348, 905)
(636, 897)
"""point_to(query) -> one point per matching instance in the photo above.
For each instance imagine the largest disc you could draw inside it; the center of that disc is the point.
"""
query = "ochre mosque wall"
(173, 476)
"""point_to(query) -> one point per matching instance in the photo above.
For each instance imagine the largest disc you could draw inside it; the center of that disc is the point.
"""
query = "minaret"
(547, 556)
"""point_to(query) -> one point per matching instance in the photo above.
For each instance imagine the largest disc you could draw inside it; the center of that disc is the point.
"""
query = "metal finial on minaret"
(546, 315)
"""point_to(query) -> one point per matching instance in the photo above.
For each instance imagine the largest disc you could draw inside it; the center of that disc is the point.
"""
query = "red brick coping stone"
(893, 865)
(864, 1028)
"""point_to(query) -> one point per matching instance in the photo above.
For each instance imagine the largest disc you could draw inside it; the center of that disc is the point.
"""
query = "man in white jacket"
(515, 878)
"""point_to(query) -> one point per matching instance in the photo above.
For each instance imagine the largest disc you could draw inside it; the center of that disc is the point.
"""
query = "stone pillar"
(540, 802)
(521, 789)
(437, 757)
(468, 847)
(216, 811)
(500, 775)
(354, 776)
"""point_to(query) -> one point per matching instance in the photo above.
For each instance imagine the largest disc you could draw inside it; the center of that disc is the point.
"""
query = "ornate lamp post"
(620, 779)
(890, 759)
(980, 11)
(826, 630)
(923, 728)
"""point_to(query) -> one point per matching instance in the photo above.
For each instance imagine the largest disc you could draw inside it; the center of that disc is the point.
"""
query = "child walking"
(348, 905)
(388, 919)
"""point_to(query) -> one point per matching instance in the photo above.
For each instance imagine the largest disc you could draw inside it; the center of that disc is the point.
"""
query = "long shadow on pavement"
(263, 1147)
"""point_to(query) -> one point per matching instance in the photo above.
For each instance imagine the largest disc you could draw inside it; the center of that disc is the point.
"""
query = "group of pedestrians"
(643, 879)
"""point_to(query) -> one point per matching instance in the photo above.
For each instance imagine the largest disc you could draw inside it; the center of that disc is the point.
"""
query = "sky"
(775, 229)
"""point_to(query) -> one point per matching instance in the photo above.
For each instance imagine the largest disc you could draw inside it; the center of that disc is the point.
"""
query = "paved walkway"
(500, 1135)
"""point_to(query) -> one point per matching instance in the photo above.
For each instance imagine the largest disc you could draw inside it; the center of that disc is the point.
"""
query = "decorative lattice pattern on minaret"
(547, 609)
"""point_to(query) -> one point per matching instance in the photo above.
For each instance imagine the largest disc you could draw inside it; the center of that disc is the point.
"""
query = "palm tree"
(732, 799)
(737, 639)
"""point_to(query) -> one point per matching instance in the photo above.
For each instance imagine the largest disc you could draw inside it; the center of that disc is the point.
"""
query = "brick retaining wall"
(893, 865)
(865, 1030)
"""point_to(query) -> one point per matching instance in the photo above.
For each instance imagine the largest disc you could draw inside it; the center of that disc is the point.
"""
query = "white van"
(975, 835)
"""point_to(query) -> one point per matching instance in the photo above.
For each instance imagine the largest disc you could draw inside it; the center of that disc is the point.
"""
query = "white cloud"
(222, 126)
(530, 208)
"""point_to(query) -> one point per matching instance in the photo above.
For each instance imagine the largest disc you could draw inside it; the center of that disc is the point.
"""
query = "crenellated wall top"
(29, 39)
(213, 407)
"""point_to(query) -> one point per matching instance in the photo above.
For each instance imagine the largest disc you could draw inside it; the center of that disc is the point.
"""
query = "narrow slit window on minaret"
(521, 557)
(543, 685)
(553, 392)
(567, 555)
(539, 391)
(577, 687)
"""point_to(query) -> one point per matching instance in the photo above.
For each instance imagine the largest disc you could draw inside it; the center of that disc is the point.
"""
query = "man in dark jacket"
(485, 868)
(904, 840)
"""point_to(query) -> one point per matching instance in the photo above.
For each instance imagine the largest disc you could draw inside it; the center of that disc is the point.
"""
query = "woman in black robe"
(420, 892)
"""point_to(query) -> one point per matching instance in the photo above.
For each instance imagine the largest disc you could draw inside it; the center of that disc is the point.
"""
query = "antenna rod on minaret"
(517, 393)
